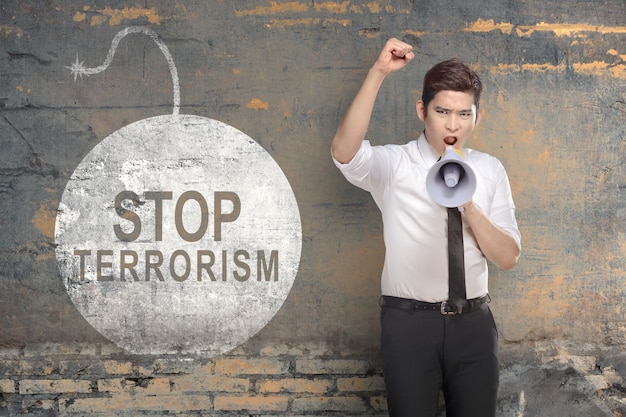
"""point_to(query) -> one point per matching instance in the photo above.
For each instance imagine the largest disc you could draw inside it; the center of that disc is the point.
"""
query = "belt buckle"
(443, 309)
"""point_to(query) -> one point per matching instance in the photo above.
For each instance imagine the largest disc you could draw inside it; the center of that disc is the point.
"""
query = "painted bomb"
(181, 265)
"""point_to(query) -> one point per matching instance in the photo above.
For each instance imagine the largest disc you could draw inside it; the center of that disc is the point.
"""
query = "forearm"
(353, 128)
(497, 245)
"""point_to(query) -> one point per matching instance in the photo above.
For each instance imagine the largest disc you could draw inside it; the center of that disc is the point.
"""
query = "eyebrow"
(448, 110)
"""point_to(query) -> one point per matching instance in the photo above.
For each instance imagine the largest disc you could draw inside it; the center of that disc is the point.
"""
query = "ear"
(421, 110)
(478, 118)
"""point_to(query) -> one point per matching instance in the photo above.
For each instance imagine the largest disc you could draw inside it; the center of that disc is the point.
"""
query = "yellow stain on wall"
(568, 29)
(528, 136)
(331, 6)
(79, 17)
(258, 104)
(613, 52)
(599, 68)
(283, 24)
(488, 26)
(6, 31)
(546, 298)
(596, 68)
(273, 8)
(115, 17)
(415, 33)
(45, 217)
(327, 7)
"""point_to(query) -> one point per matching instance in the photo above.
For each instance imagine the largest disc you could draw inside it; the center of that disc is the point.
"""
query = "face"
(450, 120)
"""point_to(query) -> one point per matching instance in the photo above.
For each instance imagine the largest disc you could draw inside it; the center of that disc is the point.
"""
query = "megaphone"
(451, 182)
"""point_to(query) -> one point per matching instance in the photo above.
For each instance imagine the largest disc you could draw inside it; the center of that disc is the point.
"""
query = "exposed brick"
(54, 386)
(332, 366)
(40, 367)
(33, 404)
(251, 366)
(267, 404)
(113, 367)
(95, 366)
(137, 403)
(379, 403)
(7, 386)
(310, 349)
(146, 386)
(357, 384)
(203, 383)
(112, 385)
(295, 385)
(178, 366)
(351, 404)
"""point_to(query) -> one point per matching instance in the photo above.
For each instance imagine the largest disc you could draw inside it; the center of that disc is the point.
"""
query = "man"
(429, 346)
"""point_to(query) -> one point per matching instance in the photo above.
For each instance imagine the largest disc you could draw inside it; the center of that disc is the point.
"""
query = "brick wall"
(91, 380)
(284, 380)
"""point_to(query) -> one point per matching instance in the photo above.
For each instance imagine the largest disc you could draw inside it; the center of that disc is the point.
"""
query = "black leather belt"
(443, 307)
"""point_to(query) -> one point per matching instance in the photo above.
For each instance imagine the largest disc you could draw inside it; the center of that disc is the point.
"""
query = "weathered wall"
(283, 73)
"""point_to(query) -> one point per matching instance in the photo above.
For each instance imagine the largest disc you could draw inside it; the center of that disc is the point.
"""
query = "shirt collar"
(429, 153)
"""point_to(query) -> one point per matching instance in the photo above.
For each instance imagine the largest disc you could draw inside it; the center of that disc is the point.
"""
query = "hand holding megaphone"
(451, 182)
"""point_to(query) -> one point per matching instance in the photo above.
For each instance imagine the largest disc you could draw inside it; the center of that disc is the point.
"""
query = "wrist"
(467, 206)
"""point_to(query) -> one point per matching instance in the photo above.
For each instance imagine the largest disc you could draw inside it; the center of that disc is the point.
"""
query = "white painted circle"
(247, 265)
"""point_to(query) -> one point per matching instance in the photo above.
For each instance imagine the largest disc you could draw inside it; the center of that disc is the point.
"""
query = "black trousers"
(425, 353)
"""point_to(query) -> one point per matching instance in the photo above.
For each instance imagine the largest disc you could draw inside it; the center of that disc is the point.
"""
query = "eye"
(466, 114)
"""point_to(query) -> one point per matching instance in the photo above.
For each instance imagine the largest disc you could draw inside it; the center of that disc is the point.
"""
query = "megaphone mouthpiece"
(451, 174)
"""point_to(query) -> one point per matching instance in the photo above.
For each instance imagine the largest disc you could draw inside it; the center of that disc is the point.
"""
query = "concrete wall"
(283, 73)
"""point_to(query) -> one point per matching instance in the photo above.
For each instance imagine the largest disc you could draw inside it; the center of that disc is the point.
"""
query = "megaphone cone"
(451, 182)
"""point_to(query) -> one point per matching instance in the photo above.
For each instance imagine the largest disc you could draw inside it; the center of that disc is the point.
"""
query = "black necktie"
(456, 260)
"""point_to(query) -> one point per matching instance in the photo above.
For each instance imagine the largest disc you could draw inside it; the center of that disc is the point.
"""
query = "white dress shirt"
(415, 227)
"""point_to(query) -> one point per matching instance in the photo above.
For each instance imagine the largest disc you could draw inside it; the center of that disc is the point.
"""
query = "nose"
(452, 123)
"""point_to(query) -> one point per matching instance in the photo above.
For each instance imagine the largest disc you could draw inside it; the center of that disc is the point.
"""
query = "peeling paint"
(415, 33)
(326, 7)
(596, 68)
(568, 29)
(283, 24)
(489, 25)
(45, 217)
(258, 104)
(613, 52)
(6, 31)
(273, 8)
(116, 17)
(331, 6)
(600, 68)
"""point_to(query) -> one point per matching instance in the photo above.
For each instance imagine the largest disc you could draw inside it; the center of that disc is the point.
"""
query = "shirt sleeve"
(368, 169)
(502, 211)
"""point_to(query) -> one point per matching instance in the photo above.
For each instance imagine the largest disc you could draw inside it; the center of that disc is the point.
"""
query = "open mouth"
(450, 140)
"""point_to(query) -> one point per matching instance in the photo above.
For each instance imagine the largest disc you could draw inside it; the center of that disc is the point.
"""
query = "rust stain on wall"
(329, 7)
(488, 26)
(599, 68)
(116, 17)
(596, 68)
(283, 24)
(258, 104)
(45, 217)
(568, 29)
(273, 8)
